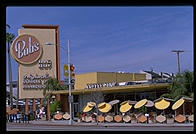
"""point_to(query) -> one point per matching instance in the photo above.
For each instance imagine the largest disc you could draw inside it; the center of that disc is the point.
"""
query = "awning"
(125, 106)
(162, 104)
(177, 104)
(140, 103)
(89, 106)
(104, 107)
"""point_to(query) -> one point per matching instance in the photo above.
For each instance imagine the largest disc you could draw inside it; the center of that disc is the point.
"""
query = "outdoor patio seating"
(58, 116)
(88, 119)
(180, 118)
(127, 118)
(109, 118)
(160, 118)
(191, 118)
(142, 119)
(118, 118)
(66, 116)
(100, 118)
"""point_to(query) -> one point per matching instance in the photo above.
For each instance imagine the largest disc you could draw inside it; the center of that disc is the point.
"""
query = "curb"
(106, 125)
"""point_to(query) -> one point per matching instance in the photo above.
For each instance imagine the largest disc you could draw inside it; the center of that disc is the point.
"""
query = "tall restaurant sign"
(37, 62)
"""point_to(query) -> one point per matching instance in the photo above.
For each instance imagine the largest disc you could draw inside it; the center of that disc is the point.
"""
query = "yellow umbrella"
(125, 106)
(104, 107)
(89, 106)
(177, 104)
(162, 104)
(140, 103)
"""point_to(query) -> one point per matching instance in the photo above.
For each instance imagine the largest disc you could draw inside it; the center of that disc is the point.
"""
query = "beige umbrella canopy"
(125, 106)
(140, 103)
(149, 103)
(104, 107)
(114, 102)
(162, 103)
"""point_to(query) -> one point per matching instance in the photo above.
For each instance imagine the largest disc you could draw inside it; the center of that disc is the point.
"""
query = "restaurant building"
(107, 86)
(37, 50)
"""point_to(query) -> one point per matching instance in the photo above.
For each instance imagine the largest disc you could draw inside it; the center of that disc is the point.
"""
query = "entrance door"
(75, 109)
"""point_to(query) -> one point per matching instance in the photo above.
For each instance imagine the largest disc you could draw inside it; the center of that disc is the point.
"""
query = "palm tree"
(51, 85)
(183, 85)
(9, 39)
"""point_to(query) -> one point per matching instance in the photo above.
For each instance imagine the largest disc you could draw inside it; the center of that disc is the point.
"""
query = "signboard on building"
(37, 61)
(26, 49)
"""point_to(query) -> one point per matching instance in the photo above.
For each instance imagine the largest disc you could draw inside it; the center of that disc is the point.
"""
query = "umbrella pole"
(183, 109)
(97, 114)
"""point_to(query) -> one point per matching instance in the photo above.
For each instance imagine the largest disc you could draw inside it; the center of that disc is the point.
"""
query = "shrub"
(54, 106)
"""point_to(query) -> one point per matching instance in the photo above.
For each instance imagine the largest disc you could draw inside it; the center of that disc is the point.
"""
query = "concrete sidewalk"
(66, 123)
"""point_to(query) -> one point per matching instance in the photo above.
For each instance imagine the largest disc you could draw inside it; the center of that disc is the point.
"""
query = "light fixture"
(48, 43)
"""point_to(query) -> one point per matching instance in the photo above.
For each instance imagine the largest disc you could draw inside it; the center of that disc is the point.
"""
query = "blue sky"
(110, 39)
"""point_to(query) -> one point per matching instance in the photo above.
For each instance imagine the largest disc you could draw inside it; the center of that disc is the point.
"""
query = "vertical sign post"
(70, 97)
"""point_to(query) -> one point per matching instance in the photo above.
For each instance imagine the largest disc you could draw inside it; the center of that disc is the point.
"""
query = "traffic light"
(72, 68)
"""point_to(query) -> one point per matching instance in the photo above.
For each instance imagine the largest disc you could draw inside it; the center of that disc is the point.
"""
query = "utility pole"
(178, 54)
(70, 96)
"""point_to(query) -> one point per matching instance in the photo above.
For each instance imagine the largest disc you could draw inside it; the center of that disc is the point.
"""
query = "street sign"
(66, 74)
(66, 67)
(71, 98)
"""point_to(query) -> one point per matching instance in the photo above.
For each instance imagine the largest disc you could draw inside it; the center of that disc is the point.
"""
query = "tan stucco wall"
(49, 53)
(105, 77)
(83, 79)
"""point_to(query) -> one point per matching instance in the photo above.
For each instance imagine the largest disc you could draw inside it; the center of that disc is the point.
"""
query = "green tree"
(52, 84)
(9, 39)
(183, 85)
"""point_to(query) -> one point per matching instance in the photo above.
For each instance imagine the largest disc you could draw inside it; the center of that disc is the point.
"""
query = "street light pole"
(69, 82)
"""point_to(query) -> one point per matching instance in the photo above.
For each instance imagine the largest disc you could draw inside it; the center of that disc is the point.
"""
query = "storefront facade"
(104, 87)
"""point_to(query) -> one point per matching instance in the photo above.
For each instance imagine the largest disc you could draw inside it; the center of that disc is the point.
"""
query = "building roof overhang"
(118, 89)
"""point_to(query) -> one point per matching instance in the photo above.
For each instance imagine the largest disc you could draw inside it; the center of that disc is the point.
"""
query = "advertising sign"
(26, 49)
(37, 62)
